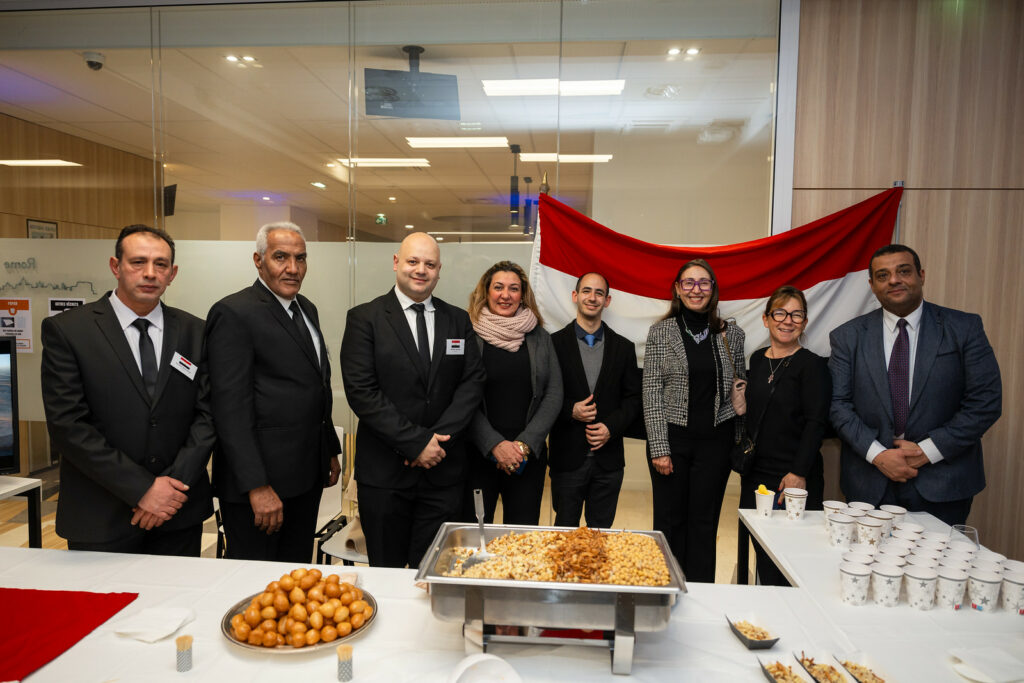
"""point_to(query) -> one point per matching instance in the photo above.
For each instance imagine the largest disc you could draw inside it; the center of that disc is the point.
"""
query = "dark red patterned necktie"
(899, 378)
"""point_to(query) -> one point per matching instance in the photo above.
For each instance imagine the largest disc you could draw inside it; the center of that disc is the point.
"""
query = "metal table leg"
(625, 635)
(35, 517)
(742, 553)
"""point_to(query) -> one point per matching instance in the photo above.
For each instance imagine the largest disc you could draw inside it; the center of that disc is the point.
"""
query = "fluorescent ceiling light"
(320, 185)
(36, 162)
(427, 143)
(566, 158)
(392, 162)
(473, 233)
(524, 87)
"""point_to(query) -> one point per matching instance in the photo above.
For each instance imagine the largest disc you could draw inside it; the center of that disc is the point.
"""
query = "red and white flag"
(827, 259)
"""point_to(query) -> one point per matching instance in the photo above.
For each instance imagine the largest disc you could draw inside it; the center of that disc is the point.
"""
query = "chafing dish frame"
(618, 610)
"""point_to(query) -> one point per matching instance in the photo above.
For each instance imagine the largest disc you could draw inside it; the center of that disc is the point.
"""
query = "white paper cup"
(894, 548)
(963, 547)
(886, 518)
(949, 587)
(959, 565)
(906, 535)
(859, 505)
(858, 558)
(830, 506)
(889, 558)
(925, 552)
(922, 561)
(1013, 592)
(935, 536)
(841, 530)
(886, 580)
(920, 585)
(869, 530)
(957, 555)
(993, 567)
(983, 589)
(989, 556)
(1013, 566)
(931, 545)
(863, 548)
(796, 502)
(897, 511)
(764, 503)
(910, 526)
(854, 581)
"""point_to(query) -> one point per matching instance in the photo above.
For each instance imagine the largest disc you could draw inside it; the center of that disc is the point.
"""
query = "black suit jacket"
(271, 399)
(399, 406)
(617, 394)
(113, 439)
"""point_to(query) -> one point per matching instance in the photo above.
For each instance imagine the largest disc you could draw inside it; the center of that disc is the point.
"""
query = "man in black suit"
(602, 398)
(271, 394)
(127, 408)
(413, 376)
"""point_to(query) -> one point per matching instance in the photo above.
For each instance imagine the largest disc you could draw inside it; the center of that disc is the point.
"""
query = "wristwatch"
(523, 448)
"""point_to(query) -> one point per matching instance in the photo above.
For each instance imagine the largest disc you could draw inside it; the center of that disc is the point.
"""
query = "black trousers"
(186, 542)
(688, 502)
(589, 485)
(520, 494)
(399, 524)
(293, 542)
(906, 494)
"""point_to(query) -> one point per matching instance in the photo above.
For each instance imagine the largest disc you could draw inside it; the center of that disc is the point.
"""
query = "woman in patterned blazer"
(691, 360)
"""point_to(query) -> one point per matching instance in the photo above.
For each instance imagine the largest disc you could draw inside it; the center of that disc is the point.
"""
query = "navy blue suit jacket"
(956, 397)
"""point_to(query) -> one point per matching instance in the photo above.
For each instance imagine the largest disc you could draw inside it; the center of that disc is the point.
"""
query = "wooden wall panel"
(929, 92)
(110, 190)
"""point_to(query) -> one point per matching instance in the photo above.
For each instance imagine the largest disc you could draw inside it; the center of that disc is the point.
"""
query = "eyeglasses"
(780, 314)
(704, 284)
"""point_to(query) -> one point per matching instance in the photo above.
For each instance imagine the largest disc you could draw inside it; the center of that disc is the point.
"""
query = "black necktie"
(899, 378)
(421, 334)
(147, 355)
(302, 328)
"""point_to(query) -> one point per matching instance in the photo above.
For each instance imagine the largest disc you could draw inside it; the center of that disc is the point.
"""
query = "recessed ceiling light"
(36, 162)
(331, 165)
(385, 162)
(266, 199)
(392, 199)
(566, 158)
(470, 125)
(231, 58)
(320, 185)
(674, 51)
(551, 86)
(693, 51)
(249, 58)
(439, 238)
(441, 142)
(410, 226)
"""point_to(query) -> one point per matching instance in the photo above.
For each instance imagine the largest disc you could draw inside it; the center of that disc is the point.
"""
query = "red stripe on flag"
(825, 249)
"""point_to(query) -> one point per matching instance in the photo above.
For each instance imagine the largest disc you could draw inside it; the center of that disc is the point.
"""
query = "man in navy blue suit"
(915, 386)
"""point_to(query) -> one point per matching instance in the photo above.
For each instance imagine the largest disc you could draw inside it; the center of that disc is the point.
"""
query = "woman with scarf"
(522, 397)
(690, 363)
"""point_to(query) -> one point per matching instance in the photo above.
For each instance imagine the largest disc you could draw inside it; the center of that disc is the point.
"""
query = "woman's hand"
(791, 481)
(662, 464)
(508, 456)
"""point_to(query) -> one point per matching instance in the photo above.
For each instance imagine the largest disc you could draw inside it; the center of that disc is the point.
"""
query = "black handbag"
(741, 457)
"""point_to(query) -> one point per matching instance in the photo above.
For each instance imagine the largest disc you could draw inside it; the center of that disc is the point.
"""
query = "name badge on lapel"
(184, 365)
(456, 347)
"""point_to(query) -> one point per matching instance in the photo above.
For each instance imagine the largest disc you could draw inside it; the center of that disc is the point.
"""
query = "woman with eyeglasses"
(691, 360)
(522, 397)
(788, 394)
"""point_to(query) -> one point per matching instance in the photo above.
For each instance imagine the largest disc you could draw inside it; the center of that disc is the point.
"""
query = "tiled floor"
(634, 512)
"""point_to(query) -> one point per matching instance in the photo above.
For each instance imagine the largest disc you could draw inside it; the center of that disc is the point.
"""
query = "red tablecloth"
(40, 625)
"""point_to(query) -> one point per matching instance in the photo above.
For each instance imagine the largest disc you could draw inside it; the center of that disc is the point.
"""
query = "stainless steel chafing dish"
(618, 611)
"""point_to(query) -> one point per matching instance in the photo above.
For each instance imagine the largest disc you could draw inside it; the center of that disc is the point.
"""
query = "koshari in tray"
(579, 556)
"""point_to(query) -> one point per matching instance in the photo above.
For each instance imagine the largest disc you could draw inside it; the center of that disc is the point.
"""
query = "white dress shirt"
(410, 316)
(288, 302)
(889, 333)
(126, 316)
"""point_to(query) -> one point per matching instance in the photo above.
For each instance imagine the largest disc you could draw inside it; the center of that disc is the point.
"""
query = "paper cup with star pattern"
(983, 589)
(854, 582)
(886, 580)
(920, 584)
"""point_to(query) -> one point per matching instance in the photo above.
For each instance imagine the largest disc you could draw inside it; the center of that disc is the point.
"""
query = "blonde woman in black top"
(788, 438)
(691, 359)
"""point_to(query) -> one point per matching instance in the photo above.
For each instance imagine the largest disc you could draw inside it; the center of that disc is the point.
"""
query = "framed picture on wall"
(41, 229)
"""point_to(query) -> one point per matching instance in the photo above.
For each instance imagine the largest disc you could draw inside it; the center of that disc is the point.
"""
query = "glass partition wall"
(364, 121)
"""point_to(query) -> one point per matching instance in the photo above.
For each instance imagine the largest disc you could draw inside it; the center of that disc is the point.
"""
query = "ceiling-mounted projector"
(411, 94)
